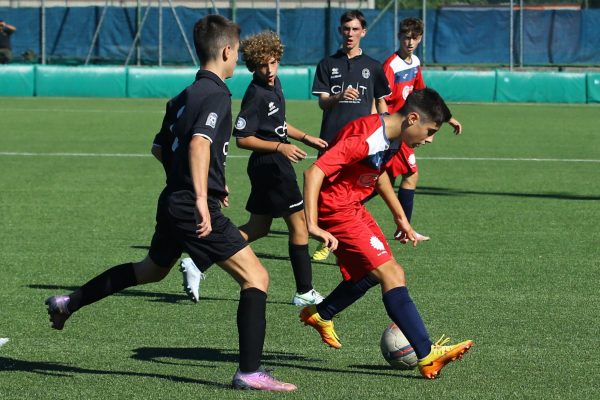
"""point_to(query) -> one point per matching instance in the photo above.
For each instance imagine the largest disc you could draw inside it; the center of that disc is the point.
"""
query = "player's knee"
(257, 277)
(147, 271)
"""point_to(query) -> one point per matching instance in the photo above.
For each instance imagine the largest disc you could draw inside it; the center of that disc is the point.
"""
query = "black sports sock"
(301, 266)
(252, 324)
(344, 295)
(403, 311)
(110, 281)
(406, 198)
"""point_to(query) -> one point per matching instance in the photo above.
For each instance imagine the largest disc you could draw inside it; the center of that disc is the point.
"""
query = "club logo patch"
(376, 243)
(366, 73)
(240, 123)
(412, 160)
(211, 120)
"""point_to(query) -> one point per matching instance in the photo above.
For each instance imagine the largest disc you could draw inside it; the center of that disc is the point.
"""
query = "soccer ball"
(396, 350)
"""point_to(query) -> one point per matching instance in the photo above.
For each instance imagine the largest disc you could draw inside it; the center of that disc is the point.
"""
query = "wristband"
(277, 147)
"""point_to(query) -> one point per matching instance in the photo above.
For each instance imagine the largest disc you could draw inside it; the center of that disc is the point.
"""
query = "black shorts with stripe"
(175, 232)
(275, 190)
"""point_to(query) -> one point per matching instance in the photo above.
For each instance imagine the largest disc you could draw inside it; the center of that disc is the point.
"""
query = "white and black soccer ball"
(396, 350)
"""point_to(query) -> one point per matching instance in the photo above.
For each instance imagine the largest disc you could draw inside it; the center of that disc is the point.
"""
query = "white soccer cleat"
(3, 341)
(191, 279)
(403, 238)
(308, 298)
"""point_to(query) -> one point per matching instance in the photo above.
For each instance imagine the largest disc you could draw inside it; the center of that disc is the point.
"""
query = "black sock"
(406, 197)
(345, 294)
(252, 324)
(401, 309)
(301, 266)
(110, 281)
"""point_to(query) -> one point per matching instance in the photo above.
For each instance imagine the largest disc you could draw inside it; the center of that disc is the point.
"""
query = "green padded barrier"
(311, 78)
(238, 83)
(158, 82)
(541, 87)
(295, 82)
(17, 80)
(80, 81)
(593, 87)
(462, 85)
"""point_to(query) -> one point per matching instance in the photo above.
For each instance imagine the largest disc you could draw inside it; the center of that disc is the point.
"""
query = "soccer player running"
(189, 214)
(403, 72)
(334, 189)
(350, 84)
(261, 127)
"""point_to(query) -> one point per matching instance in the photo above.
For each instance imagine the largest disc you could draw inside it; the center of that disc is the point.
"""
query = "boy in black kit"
(261, 127)
(350, 85)
(189, 214)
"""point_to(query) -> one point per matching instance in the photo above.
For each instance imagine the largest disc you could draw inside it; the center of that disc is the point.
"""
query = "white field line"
(39, 154)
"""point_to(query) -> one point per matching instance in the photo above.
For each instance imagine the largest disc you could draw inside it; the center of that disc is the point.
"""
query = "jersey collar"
(213, 77)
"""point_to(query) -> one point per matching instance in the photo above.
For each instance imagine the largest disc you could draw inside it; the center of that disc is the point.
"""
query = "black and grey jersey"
(336, 73)
(203, 108)
(262, 113)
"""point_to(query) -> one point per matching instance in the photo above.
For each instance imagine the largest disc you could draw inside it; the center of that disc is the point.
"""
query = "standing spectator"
(6, 30)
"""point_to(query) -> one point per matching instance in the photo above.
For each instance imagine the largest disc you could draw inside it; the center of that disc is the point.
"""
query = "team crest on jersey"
(240, 123)
(366, 73)
(376, 243)
(406, 90)
(367, 180)
(211, 120)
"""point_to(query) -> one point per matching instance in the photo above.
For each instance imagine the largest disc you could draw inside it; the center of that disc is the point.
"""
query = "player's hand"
(405, 232)
(292, 152)
(315, 142)
(350, 94)
(203, 223)
(224, 200)
(456, 126)
(322, 235)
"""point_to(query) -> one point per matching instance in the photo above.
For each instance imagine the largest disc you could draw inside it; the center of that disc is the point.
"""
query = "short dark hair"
(211, 34)
(351, 15)
(428, 104)
(414, 25)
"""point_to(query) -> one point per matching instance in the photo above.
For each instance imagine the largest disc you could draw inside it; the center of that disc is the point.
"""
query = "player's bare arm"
(312, 141)
(313, 180)
(386, 191)
(290, 151)
(199, 155)
(455, 125)
(380, 105)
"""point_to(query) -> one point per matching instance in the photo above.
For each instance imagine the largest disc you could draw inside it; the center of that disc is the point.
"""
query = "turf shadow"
(64, 370)
(438, 191)
(162, 354)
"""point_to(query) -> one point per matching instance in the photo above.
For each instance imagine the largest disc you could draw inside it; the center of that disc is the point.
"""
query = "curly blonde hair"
(260, 48)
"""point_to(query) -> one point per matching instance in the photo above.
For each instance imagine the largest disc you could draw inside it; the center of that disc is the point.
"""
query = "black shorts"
(275, 189)
(175, 232)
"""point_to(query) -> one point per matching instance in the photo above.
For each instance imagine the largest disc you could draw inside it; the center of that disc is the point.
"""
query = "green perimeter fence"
(459, 86)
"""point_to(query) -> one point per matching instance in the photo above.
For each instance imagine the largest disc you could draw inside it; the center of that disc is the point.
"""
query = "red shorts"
(362, 246)
(403, 162)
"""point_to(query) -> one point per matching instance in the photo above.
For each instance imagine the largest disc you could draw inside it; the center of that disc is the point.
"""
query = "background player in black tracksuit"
(189, 217)
(350, 85)
(262, 128)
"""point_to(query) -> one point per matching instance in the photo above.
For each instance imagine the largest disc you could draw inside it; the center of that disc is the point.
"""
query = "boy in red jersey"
(335, 187)
(403, 71)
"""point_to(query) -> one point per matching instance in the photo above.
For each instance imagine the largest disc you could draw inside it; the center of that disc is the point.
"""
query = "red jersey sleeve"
(348, 151)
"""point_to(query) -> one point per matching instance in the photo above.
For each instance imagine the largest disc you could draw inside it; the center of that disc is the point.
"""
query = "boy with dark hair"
(403, 72)
(261, 127)
(335, 187)
(349, 84)
(6, 30)
(189, 214)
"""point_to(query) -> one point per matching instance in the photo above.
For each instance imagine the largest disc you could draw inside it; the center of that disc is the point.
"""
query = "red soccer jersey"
(353, 164)
(403, 79)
